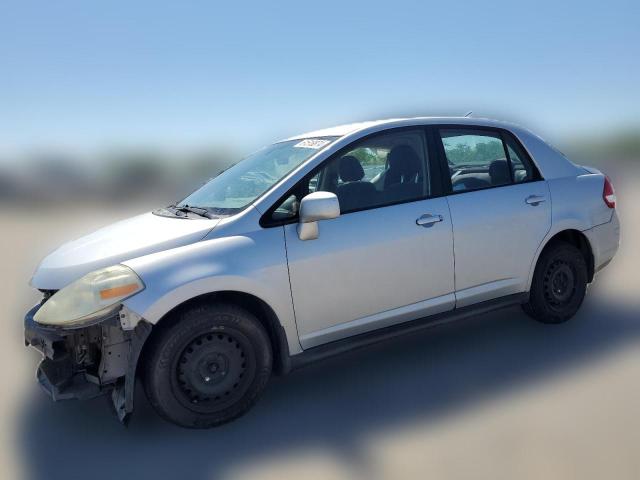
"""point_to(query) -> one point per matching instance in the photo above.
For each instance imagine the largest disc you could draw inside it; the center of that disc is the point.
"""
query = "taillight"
(608, 193)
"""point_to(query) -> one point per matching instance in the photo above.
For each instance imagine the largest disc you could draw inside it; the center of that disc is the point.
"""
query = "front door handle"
(427, 220)
(534, 200)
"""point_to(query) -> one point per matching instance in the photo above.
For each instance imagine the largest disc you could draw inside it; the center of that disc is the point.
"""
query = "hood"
(124, 240)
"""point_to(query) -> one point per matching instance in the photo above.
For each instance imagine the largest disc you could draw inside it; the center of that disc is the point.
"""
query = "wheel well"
(578, 240)
(256, 306)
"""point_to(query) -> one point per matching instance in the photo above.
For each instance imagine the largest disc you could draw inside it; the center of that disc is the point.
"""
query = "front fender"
(253, 263)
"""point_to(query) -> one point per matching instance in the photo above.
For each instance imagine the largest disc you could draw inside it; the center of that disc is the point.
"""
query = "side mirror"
(316, 206)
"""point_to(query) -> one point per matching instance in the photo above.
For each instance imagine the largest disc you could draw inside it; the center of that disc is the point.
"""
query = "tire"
(208, 366)
(559, 284)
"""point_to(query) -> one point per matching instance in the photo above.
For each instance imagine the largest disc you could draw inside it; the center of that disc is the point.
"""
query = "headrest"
(499, 172)
(350, 169)
(404, 165)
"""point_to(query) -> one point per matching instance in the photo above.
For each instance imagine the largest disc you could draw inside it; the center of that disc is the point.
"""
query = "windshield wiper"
(203, 212)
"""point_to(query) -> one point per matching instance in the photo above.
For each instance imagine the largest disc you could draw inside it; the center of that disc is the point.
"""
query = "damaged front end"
(85, 362)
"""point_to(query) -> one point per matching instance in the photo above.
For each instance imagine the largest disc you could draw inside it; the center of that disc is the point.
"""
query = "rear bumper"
(83, 363)
(604, 240)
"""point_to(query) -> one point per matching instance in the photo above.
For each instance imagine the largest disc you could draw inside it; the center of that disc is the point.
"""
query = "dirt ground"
(499, 397)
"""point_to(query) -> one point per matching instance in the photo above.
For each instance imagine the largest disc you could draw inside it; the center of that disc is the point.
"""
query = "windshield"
(238, 186)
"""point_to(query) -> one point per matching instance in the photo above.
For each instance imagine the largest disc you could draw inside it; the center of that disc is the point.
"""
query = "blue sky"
(87, 75)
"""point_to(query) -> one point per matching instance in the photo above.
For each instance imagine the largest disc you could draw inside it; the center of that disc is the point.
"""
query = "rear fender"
(576, 204)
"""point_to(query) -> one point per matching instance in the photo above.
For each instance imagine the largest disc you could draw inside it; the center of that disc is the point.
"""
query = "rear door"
(500, 209)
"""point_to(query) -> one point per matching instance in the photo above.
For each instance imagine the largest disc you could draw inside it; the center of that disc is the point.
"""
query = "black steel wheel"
(208, 366)
(214, 370)
(559, 284)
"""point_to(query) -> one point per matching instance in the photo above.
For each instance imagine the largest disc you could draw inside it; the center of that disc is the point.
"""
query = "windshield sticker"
(315, 143)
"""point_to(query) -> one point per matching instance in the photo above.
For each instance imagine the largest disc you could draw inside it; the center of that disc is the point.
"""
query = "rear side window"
(480, 159)
(476, 159)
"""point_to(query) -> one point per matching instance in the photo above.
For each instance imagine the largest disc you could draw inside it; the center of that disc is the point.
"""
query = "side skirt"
(327, 350)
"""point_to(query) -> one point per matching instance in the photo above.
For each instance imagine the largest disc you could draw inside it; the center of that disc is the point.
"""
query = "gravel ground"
(496, 397)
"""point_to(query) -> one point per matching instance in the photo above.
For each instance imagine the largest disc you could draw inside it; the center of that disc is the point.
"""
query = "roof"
(342, 130)
(551, 163)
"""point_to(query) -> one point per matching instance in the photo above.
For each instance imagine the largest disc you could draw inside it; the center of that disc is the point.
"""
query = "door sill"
(348, 344)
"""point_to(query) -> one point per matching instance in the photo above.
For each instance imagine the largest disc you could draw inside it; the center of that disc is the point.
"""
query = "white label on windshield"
(315, 143)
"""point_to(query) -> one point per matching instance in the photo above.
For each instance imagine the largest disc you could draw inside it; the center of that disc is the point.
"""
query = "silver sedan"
(312, 246)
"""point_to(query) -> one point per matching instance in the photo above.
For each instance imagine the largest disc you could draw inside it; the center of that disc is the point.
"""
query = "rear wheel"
(208, 367)
(559, 284)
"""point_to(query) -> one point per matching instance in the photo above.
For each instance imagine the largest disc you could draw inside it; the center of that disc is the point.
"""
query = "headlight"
(90, 297)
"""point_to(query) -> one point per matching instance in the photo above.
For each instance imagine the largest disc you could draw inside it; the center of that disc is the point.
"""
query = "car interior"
(401, 179)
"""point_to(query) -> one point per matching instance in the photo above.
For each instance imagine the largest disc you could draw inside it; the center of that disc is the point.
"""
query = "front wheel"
(208, 366)
(559, 284)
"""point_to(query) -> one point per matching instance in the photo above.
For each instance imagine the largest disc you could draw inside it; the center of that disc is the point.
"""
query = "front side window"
(241, 184)
(381, 170)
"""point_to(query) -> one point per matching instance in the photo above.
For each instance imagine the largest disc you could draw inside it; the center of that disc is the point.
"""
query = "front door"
(388, 258)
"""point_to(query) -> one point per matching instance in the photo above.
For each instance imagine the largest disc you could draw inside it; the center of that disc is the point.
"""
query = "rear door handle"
(534, 200)
(427, 220)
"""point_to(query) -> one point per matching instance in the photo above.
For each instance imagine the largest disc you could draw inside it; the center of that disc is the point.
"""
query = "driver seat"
(354, 193)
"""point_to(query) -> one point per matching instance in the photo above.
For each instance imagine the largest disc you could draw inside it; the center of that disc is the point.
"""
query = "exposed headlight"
(89, 297)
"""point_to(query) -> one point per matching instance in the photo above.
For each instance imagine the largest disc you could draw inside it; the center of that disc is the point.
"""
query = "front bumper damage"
(82, 363)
